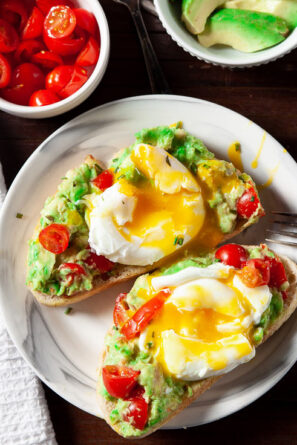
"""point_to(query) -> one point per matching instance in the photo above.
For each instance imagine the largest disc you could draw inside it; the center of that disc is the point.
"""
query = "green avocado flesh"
(246, 31)
(285, 9)
(196, 12)
(163, 392)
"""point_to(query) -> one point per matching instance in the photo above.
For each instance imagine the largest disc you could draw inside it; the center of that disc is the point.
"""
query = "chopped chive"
(149, 344)
(19, 215)
(237, 147)
(68, 311)
(180, 241)
(206, 166)
(168, 160)
(175, 240)
(252, 199)
(115, 159)
(122, 176)
(64, 177)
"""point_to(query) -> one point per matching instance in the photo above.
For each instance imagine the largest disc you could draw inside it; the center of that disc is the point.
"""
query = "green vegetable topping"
(68, 310)
(19, 215)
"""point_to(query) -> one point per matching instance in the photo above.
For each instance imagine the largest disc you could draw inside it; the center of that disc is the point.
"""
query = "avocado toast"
(73, 255)
(157, 362)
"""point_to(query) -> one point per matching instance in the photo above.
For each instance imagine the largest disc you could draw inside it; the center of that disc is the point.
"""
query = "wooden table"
(267, 95)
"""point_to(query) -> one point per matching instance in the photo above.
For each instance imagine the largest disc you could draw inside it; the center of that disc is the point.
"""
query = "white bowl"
(85, 91)
(170, 17)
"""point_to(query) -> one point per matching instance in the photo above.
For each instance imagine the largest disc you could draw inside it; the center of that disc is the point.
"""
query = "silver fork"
(291, 221)
(156, 77)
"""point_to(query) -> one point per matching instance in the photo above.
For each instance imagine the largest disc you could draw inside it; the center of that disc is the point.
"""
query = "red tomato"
(9, 39)
(100, 262)
(26, 78)
(26, 50)
(60, 22)
(144, 315)
(255, 273)
(78, 79)
(104, 180)
(47, 59)
(119, 380)
(278, 274)
(58, 78)
(120, 310)
(34, 25)
(137, 412)
(5, 72)
(68, 45)
(40, 98)
(74, 268)
(90, 54)
(10, 17)
(15, 7)
(54, 238)
(86, 20)
(46, 5)
(232, 255)
(248, 203)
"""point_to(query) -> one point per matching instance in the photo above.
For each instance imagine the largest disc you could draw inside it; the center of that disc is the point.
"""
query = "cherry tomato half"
(15, 7)
(89, 54)
(46, 5)
(34, 25)
(248, 203)
(5, 72)
(47, 59)
(9, 39)
(73, 268)
(78, 79)
(60, 22)
(10, 17)
(40, 98)
(278, 274)
(135, 325)
(104, 180)
(68, 45)
(26, 50)
(255, 273)
(86, 20)
(54, 238)
(25, 79)
(120, 310)
(119, 380)
(137, 412)
(100, 262)
(232, 255)
(58, 78)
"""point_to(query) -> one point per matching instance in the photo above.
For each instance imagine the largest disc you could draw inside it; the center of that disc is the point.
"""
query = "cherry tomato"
(54, 238)
(135, 325)
(137, 412)
(86, 20)
(278, 274)
(248, 203)
(5, 72)
(78, 79)
(104, 180)
(232, 255)
(100, 262)
(255, 273)
(34, 25)
(58, 78)
(60, 22)
(89, 54)
(40, 98)
(47, 59)
(26, 50)
(25, 79)
(68, 45)
(10, 17)
(9, 39)
(119, 380)
(46, 5)
(120, 310)
(74, 268)
(15, 7)
(284, 295)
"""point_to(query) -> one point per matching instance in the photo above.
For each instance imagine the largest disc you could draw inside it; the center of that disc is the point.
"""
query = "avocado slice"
(286, 9)
(196, 12)
(246, 31)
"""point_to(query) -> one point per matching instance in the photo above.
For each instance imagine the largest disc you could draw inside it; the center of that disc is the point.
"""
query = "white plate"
(64, 350)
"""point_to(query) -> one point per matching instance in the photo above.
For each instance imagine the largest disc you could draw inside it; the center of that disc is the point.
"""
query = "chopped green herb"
(19, 215)
(237, 147)
(122, 176)
(68, 311)
(168, 160)
(206, 166)
(180, 241)
(252, 199)
(150, 344)
(175, 241)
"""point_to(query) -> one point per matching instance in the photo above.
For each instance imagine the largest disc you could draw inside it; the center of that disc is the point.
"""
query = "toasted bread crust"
(200, 387)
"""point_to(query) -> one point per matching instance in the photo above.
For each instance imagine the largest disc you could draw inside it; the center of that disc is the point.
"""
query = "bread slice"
(201, 386)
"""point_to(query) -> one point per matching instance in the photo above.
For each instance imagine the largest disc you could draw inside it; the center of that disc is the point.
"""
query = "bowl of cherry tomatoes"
(53, 54)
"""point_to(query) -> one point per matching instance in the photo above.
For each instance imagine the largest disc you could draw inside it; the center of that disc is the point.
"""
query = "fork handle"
(157, 79)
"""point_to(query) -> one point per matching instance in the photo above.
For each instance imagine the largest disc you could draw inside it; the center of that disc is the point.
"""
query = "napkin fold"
(24, 415)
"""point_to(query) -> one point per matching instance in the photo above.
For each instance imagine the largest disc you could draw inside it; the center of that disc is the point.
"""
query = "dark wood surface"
(268, 96)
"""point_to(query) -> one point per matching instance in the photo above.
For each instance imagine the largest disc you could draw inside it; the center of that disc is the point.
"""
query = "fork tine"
(283, 243)
(294, 215)
(283, 232)
(287, 223)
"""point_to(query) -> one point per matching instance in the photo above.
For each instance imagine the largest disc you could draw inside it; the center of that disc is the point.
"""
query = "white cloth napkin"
(24, 415)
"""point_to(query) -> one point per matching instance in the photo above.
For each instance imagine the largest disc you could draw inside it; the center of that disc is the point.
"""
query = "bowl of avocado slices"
(231, 33)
